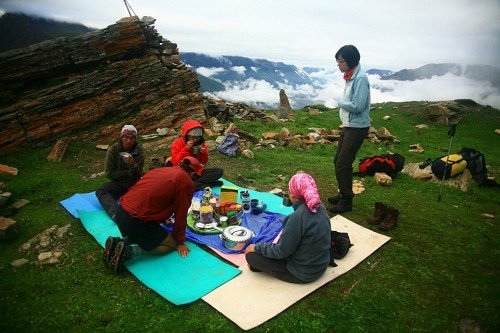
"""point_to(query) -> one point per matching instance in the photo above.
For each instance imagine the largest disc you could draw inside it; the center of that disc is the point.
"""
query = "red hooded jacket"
(179, 149)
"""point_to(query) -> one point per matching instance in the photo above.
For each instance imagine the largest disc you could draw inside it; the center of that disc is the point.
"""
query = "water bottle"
(260, 207)
(245, 201)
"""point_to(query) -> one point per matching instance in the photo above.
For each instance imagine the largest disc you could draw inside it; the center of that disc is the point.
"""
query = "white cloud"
(438, 88)
(251, 92)
(239, 69)
(208, 72)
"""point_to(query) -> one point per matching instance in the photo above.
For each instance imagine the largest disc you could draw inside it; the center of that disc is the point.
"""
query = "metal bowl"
(236, 238)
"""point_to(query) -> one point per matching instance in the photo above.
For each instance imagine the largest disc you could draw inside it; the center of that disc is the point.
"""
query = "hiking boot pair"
(340, 204)
(385, 216)
(116, 253)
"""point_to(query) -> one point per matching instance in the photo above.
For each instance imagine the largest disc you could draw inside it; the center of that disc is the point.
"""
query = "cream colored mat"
(251, 298)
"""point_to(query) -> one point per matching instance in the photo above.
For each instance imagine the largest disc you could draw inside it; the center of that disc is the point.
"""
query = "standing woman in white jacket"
(355, 117)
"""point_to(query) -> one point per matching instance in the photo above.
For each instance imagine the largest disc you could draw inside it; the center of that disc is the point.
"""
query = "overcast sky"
(390, 34)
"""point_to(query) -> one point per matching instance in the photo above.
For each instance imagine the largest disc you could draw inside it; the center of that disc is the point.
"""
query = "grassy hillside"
(438, 273)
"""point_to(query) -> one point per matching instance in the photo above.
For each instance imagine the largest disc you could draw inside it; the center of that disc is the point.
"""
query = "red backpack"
(389, 164)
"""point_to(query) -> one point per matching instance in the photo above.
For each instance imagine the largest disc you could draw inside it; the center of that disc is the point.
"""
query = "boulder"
(284, 110)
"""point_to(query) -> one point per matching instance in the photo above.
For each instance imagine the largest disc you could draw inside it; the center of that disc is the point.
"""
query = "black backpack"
(476, 164)
(340, 244)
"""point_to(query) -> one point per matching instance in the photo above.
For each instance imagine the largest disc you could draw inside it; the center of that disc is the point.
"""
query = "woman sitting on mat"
(302, 253)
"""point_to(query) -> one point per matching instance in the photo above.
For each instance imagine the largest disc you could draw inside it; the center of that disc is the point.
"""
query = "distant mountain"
(379, 72)
(20, 30)
(209, 85)
(238, 69)
(474, 72)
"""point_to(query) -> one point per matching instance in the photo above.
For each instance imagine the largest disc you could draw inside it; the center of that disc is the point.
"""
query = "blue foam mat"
(81, 201)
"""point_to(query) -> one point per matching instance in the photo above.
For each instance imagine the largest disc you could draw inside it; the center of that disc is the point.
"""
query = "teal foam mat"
(179, 280)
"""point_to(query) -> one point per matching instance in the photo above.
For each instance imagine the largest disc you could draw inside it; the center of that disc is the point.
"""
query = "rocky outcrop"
(125, 73)
(284, 110)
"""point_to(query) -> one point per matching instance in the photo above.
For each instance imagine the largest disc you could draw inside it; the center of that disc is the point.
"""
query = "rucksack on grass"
(476, 164)
(448, 166)
(389, 164)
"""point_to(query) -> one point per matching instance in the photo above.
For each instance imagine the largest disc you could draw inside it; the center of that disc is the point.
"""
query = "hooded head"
(302, 185)
(191, 163)
(192, 128)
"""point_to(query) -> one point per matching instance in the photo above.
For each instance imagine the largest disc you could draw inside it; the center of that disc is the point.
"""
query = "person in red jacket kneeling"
(153, 199)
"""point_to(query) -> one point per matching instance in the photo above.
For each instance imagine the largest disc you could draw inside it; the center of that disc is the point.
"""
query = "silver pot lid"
(237, 234)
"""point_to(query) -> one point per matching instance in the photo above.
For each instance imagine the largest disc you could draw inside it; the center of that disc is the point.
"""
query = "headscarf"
(302, 185)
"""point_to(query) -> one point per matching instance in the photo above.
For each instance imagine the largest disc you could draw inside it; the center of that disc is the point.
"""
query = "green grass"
(440, 267)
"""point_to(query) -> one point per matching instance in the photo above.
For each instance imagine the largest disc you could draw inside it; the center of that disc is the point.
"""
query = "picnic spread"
(226, 219)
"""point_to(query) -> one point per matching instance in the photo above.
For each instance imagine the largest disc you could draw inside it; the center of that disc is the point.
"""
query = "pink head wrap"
(302, 185)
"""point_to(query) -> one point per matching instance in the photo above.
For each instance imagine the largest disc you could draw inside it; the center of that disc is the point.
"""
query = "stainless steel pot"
(236, 238)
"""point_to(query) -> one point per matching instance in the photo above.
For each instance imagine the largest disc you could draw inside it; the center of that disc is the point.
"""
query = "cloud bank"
(329, 86)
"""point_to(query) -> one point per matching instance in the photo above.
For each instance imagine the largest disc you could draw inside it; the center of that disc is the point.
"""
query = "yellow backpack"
(456, 164)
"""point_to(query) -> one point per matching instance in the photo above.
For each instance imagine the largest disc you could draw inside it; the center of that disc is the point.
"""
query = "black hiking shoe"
(109, 249)
(342, 206)
(334, 200)
(425, 163)
(123, 253)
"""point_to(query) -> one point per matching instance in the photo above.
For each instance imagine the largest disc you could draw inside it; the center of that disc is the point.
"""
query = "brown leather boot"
(391, 219)
(378, 216)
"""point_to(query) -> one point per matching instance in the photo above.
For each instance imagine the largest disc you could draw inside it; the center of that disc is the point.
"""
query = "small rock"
(269, 135)
(488, 216)
(19, 262)
(102, 147)
(284, 133)
(247, 153)
(62, 231)
(386, 117)
(8, 170)
(421, 126)
(416, 148)
(44, 256)
(95, 175)
(358, 187)
(45, 240)
(382, 179)
(383, 133)
(232, 128)
(422, 176)
(276, 191)
(25, 247)
(8, 228)
(497, 131)
(4, 196)
(161, 131)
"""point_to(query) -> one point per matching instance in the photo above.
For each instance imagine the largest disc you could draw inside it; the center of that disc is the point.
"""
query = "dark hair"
(350, 54)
